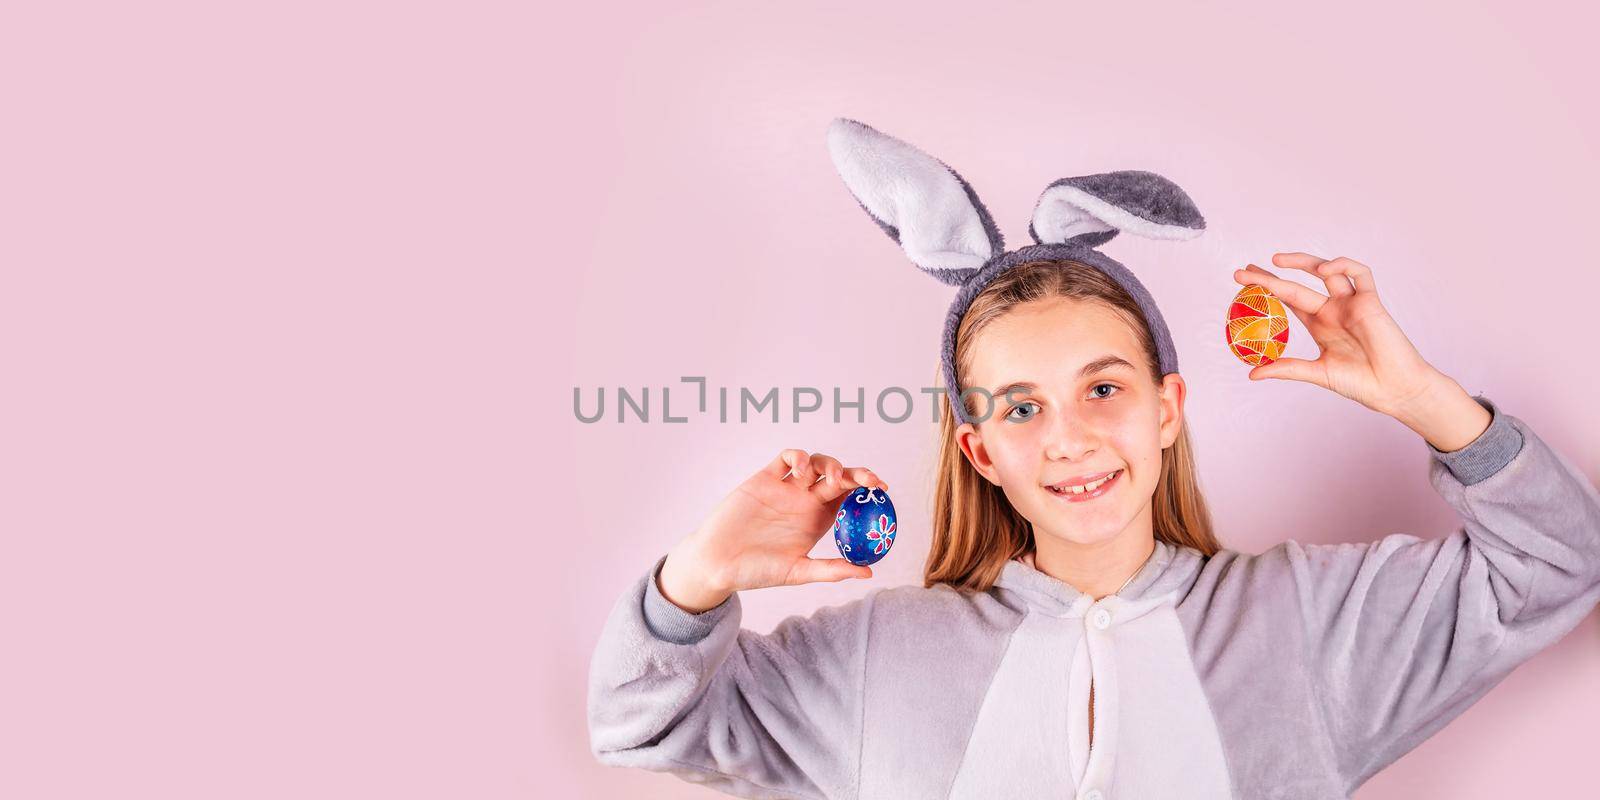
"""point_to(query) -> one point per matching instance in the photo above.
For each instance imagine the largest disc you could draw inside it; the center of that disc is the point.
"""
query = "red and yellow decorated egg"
(1258, 326)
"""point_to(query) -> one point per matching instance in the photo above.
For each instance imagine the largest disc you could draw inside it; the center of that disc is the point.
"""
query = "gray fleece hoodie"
(1296, 673)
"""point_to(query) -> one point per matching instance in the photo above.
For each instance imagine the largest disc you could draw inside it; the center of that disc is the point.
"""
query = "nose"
(1070, 437)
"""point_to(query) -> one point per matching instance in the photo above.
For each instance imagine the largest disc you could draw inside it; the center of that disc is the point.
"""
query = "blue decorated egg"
(863, 529)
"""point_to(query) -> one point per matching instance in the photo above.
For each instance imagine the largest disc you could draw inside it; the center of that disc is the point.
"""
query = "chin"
(1082, 538)
(1089, 519)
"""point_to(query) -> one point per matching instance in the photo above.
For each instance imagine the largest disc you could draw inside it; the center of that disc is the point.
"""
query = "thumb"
(819, 570)
(1293, 369)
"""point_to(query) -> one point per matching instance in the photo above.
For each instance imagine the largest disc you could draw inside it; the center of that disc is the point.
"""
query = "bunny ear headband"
(945, 230)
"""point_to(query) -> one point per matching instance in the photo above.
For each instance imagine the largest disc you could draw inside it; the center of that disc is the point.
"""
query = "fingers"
(832, 472)
(855, 477)
(1296, 260)
(821, 570)
(805, 469)
(837, 481)
(1300, 315)
(1300, 299)
(1339, 284)
(862, 476)
(1294, 369)
(1360, 274)
(792, 462)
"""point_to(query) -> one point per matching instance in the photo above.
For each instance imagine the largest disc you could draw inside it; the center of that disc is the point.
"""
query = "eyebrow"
(1100, 364)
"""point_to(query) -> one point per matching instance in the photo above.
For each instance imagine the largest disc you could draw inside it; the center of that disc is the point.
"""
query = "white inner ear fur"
(1065, 211)
(910, 190)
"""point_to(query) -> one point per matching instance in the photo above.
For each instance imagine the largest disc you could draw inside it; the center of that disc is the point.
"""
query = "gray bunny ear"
(916, 199)
(1091, 209)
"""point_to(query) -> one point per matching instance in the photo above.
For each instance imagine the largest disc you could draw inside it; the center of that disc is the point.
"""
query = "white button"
(1101, 618)
(1094, 794)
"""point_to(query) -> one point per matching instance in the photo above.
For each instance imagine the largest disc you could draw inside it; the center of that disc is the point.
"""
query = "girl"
(1080, 632)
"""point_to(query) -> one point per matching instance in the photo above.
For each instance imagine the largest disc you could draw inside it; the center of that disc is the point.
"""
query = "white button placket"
(1100, 639)
(1101, 618)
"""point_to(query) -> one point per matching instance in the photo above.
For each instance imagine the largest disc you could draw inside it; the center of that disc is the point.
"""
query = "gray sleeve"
(766, 716)
(1403, 634)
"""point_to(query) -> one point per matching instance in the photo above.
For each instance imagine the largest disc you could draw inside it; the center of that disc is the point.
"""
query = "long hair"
(975, 529)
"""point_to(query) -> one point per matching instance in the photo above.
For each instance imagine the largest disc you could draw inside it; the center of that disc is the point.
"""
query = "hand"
(761, 533)
(1365, 356)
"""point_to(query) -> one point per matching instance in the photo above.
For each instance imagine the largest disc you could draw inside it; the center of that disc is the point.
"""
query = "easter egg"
(1258, 328)
(864, 527)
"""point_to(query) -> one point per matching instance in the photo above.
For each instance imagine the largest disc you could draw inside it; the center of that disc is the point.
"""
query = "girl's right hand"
(761, 534)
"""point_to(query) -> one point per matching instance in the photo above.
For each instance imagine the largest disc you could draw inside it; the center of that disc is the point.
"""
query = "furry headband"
(945, 230)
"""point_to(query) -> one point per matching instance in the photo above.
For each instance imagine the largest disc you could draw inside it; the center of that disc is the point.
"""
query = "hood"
(1168, 570)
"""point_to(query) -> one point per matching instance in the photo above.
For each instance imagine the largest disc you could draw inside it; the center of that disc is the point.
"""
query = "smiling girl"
(1080, 632)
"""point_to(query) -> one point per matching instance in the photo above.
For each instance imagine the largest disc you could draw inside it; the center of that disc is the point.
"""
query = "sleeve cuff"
(671, 623)
(1485, 455)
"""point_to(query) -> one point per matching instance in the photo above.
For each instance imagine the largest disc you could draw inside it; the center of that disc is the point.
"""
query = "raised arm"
(1403, 634)
(1400, 635)
(756, 716)
(676, 686)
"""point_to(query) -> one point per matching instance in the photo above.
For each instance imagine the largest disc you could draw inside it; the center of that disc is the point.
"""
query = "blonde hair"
(975, 529)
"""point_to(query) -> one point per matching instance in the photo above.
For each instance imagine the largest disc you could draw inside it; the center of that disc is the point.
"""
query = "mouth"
(1088, 491)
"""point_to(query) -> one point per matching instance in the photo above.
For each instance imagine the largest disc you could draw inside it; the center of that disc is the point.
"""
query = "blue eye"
(1011, 416)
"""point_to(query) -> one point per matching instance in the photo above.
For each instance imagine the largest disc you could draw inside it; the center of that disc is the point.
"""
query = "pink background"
(295, 298)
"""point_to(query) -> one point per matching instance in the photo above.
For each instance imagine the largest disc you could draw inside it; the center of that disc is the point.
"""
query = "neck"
(1097, 569)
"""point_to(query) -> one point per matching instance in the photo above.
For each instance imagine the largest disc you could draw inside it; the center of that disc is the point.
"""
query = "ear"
(971, 444)
(1091, 209)
(917, 200)
(1173, 394)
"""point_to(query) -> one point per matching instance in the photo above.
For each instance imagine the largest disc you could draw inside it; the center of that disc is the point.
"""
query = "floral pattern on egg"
(864, 526)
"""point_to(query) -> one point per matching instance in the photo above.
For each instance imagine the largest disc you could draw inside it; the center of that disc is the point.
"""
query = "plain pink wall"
(294, 502)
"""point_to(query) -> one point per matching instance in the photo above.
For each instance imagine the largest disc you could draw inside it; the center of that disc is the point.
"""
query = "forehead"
(1044, 341)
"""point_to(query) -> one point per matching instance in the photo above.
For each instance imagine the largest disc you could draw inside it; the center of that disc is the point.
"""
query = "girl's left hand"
(1365, 356)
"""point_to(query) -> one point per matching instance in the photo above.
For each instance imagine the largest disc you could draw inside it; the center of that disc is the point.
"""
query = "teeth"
(1088, 487)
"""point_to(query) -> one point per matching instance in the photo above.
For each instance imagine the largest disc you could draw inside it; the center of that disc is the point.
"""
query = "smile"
(1088, 491)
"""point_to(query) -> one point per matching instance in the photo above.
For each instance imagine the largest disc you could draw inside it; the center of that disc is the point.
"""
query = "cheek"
(1138, 438)
(1016, 451)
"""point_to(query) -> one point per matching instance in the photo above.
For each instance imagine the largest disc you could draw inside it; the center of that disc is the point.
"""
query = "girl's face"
(1081, 405)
